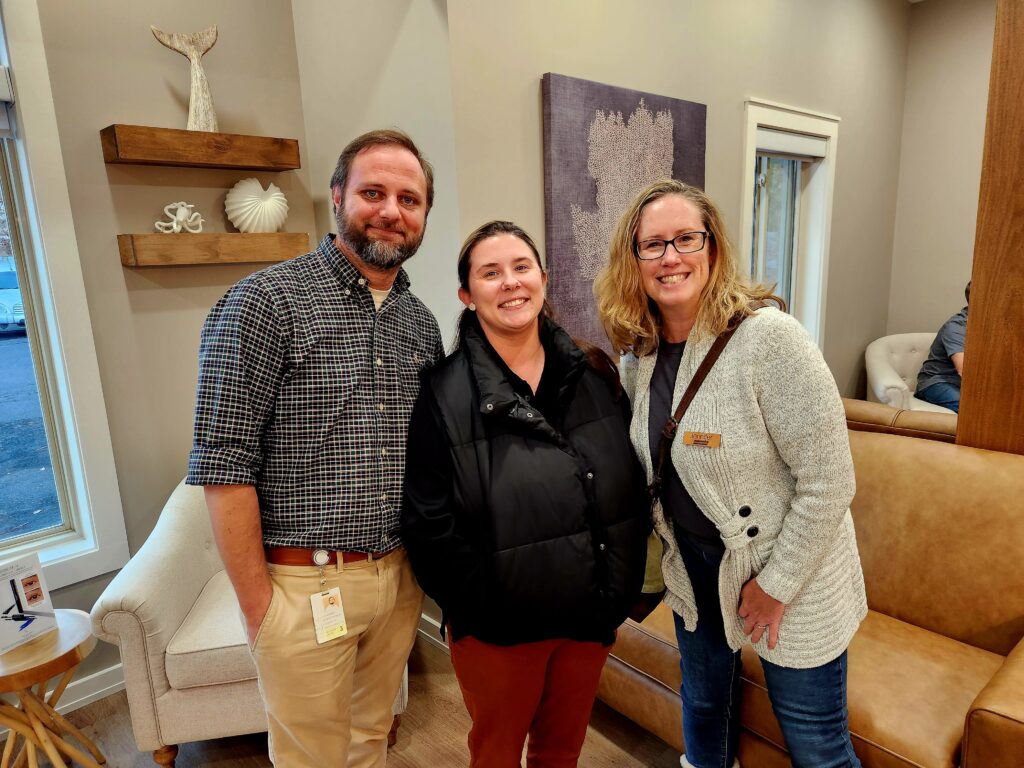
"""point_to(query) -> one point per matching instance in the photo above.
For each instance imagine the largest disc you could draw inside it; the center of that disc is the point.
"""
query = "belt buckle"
(321, 557)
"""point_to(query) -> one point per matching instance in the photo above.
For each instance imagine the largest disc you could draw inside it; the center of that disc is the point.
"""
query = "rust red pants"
(543, 690)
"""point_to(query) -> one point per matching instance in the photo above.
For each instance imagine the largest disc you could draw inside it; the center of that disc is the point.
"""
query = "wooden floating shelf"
(171, 250)
(142, 145)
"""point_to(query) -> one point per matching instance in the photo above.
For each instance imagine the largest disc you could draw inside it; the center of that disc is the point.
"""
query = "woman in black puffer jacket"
(525, 513)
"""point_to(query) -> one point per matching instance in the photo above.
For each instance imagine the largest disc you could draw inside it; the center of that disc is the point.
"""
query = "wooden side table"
(36, 727)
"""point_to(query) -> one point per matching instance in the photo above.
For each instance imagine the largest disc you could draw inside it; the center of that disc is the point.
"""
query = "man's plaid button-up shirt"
(305, 392)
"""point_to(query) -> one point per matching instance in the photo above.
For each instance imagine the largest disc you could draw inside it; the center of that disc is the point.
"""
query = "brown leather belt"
(303, 556)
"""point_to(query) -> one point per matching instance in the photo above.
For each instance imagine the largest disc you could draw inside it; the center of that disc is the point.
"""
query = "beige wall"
(105, 67)
(380, 65)
(834, 56)
(948, 62)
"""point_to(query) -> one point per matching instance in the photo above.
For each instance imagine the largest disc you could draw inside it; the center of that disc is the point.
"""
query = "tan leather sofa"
(878, 417)
(936, 672)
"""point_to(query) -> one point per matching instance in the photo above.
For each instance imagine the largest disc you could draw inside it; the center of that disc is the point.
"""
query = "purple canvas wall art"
(602, 145)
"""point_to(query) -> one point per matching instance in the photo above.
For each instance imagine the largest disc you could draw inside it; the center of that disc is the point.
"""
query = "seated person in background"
(938, 382)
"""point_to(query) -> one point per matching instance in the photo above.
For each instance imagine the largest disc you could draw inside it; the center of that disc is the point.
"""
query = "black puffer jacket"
(524, 525)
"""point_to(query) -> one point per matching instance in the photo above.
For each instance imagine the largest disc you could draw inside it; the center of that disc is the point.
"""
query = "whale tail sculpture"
(201, 116)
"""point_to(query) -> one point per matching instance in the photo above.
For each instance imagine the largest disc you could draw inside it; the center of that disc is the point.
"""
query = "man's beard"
(382, 254)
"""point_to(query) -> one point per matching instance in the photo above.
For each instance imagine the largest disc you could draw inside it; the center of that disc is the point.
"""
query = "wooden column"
(992, 400)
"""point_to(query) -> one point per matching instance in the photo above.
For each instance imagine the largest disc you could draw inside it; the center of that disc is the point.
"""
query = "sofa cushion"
(209, 647)
(939, 528)
(909, 689)
(879, 417)
(650, 648)
(909, 693)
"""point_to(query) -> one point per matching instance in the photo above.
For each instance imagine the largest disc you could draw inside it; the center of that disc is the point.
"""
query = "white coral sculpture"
(181, 217)
(623, 158)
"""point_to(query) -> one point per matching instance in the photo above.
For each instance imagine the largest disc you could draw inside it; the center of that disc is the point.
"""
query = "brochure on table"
(25, 608)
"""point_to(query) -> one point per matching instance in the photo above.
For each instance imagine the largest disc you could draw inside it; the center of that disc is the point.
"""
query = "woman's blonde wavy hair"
(630, 318)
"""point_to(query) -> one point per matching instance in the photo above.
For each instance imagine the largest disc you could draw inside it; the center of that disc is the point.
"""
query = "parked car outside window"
(12, 310)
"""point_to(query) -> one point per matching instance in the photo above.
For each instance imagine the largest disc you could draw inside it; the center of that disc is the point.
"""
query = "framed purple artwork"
(602, 145)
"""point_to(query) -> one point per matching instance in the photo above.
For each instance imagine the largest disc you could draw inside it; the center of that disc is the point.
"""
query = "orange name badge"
(703, 439)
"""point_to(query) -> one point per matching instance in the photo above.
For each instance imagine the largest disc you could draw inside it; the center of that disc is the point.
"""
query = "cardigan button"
(752, 531)
(744, 511)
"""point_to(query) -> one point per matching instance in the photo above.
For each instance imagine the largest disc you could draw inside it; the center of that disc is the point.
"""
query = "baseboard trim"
(430, 631)
(96, 686)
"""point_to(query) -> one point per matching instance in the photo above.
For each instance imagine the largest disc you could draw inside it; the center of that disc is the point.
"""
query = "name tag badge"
(703, 439)
(328, 615)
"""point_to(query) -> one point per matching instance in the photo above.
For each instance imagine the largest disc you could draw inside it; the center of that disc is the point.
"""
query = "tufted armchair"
(187, 668)
(892, 365)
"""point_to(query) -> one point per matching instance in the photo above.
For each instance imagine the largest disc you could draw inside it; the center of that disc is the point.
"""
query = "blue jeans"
(809, 704)
(941, 393)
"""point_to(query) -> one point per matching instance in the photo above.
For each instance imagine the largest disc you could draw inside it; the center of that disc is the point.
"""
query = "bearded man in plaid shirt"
(308, 372)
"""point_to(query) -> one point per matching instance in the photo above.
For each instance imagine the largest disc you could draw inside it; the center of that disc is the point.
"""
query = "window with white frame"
(33, 504)
(789, 171)
(74, 520)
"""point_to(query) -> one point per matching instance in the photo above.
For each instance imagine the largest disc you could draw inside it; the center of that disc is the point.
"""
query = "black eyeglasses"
(688, 242)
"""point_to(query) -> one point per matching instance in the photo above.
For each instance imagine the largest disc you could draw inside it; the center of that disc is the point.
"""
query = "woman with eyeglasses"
(753, 505)
(524, 514)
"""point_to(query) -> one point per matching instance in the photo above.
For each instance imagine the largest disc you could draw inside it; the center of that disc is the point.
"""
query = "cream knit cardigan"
(785, 453)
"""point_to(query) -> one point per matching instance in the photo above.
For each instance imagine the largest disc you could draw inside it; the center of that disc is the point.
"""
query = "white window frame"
(98, 544)
(810, 262)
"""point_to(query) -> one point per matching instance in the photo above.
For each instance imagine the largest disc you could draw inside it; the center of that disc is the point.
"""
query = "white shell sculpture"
(251, 208)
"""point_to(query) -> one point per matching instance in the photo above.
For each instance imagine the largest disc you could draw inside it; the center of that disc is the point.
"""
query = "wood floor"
(433, 732)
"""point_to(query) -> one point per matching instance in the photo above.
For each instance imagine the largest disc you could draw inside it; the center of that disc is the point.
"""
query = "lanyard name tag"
(328, 615)
(703, 439)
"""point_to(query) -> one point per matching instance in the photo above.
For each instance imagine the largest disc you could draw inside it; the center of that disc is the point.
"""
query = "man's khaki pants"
(330, 704)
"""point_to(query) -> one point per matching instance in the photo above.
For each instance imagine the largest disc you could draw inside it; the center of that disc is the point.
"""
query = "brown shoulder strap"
(668, 432)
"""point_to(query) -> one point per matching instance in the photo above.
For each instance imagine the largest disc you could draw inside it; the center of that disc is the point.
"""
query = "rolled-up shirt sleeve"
(241, 367)
(953, 333)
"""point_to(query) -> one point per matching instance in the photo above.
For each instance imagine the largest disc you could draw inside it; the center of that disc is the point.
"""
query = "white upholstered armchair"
(892, 365)
(188, 672)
